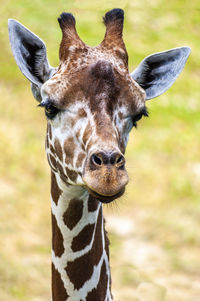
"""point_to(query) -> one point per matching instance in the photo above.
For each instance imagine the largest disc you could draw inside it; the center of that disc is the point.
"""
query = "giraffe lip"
(103, 198)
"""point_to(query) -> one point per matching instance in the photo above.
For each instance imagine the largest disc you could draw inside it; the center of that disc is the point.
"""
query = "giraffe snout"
(105, 175)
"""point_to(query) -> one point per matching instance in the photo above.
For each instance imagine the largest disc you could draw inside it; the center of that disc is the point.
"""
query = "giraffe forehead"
(99, 84)
(89, 55)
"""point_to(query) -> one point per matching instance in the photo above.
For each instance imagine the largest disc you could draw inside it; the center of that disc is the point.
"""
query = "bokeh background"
(154, 228)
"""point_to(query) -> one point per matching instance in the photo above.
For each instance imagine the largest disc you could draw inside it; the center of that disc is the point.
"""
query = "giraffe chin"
(105, 198)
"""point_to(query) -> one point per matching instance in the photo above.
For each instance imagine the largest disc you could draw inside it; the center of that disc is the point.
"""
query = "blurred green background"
(154, 228)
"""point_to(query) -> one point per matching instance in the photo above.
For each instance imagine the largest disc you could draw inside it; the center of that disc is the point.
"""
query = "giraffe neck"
(80, 255)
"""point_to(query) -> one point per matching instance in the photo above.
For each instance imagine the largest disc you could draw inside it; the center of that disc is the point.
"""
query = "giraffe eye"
(137, 117)
(51, 111)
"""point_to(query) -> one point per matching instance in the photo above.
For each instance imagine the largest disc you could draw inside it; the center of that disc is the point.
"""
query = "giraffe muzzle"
(105, 175)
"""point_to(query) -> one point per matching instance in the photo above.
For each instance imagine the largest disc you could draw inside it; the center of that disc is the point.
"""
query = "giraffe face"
(91, 106)
(91, 101)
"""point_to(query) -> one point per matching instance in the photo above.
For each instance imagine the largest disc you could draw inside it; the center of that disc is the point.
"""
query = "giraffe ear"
(157, 72)
(30, 55)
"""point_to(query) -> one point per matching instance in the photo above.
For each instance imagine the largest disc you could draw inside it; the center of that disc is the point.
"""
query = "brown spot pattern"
(47, 142)
(73, 213)
(50, 164)
(49, 131)
(107, 243)
(78, 134)
(58, 149)
(92, 204)
(87, 133)
(51, 148)
(52, 161)
(80, 159)
(86, 262)
(55, 190)
(83, 239)
(120, 115)
(82, 113)
(60, 168)
(59, 292)
(72, 175)
(99, 293)
(57, 238)
(106, 240)
(61, 171)
(69, 147)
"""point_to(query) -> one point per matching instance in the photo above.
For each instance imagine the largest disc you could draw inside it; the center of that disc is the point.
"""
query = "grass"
(154, 228)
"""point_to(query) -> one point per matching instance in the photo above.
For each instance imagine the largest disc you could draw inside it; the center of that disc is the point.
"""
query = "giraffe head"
(91, 100)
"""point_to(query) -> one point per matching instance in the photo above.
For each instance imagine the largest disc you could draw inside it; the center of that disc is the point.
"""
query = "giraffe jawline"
(105, 199)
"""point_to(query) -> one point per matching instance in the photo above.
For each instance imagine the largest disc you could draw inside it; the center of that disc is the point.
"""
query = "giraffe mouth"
(105, 198)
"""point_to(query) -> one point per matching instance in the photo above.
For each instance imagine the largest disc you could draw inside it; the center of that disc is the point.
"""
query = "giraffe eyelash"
(50, 109)
(139, 116)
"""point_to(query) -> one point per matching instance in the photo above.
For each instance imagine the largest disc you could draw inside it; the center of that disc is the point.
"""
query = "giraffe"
(91, 102)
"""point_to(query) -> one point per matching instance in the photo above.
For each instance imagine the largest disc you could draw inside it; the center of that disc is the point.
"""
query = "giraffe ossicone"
(91, 102)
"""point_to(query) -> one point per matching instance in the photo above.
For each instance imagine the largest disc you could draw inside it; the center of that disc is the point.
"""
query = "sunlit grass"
(161, 205)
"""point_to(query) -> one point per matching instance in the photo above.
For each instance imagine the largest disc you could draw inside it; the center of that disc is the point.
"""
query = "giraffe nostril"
(120, 160)
(107, 158)
(96, 160)
(120, 163)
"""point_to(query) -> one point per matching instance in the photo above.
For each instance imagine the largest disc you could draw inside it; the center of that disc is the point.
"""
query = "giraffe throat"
(80, 256)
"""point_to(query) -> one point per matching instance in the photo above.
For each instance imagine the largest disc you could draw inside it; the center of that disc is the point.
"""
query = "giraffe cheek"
(58, 150)
(52, 162)
(80, 159)
(69, 149)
